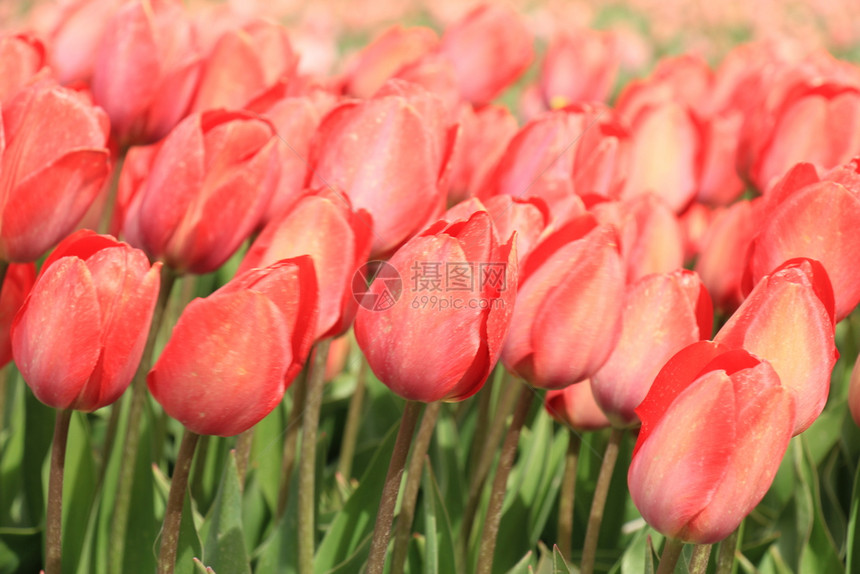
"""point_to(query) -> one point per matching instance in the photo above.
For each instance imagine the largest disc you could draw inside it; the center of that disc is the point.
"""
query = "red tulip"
(579, 66)
(79, 336)
(715, 426)
(575, 407)
(816, 221)
(232, 355)
(567, 317)
(390, 155)
(147, 69)
(193, 198)
(54, 162)
(461, 296)
(788, 320)
(17, 284)
(244, 65)
(383, 57)
(674, 310)
(322, 225)
(75, 37)
(489, 48)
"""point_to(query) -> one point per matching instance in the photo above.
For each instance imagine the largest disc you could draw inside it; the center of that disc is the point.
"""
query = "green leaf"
(278, 553)
(440, 549)
(559, 564)
(853, 542)
(349, 532)
(820, 554)
(224, 546)
(523, 566)
(189, 546)
(79, 484)
(199, 568)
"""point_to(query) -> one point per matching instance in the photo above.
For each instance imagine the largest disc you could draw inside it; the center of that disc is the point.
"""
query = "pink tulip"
(575, 407)
(79, 336)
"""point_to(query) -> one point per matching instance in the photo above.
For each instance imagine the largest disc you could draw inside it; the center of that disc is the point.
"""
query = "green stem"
(4, 390)
(307, 462)
(199, 467)
(483, 454)
(122, 504)
(385, 514)
(568, 494)
(699, 559)
(410, 488)
(500, 482)
(175, 500)
(726, 555)
(54, 519)
(353, 422)
(598, 503)
(243, 453)
(671, 552)
(291, 437)
(482, 424)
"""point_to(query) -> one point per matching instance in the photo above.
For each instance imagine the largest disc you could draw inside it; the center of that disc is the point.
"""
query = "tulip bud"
(463, 285)
(575, 407)
(54, 162)
(147, 69)
(788, 320)
(79, 336)
(17, 284)
(22, 57)
(567, 317)
(715, 426)
(595, 58)
(674, 309)
(193, 198)
(808, 221)
(232, 355)
(323, 225)
(489, 48)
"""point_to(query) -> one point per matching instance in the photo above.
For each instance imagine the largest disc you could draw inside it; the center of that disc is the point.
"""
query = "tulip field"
(495, 287)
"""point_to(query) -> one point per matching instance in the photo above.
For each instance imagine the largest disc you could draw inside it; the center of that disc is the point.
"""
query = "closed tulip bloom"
(22, 57)
(459, 286)
(575, 407)
(788, 320)
(567, 318)
(579, 66)
(147, 69)
(674, 309)
(54, 162)
(232, 355)
(75, 37)
(390, 155)
(16, 286)
(244, 65)
(322, 225)
(79, 336)
(193, 198)
(490, 48)
(817, 221)
(715, 426)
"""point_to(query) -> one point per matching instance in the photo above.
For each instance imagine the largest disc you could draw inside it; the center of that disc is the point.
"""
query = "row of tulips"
(556, 248)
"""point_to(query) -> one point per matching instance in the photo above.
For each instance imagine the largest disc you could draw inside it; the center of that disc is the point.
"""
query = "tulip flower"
(817, 221)
(245, 64)
(675, 310)
(715, 426)
(796, 300)
(384, 56)
(489, 48)
(53, 165)
(17, 284)
(595, 57)
(232, 355)
(460, 285)
(75, 37)
(567, 318)
(79, 336)
(147, 69)
(193, 198)
(390, 155)
(575, 407)
(323, 225)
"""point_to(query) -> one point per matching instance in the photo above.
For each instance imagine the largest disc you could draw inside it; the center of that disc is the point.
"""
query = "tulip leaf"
(79, 483)
(559, 564)
(199, 568)
(853, 541)
(12, 455)
(188, 547)
(278, 553)
(440, 548)
(820, 554)
(266, 454)
(224, 541)
(524, 565)
(349, 532)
